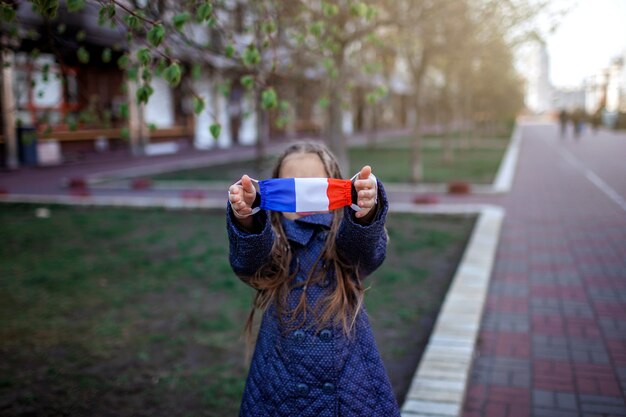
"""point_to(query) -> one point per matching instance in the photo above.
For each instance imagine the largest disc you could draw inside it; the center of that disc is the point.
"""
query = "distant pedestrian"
(563, 118)
(577, 117)
(596, 120)
(315, 354)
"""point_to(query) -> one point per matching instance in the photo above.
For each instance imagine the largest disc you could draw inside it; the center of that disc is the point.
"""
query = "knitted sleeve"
(364, 245)
(249, 250)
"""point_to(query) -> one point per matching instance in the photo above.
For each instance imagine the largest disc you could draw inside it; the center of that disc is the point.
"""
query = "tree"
(330, 33)
(420, 38)
(447, 41)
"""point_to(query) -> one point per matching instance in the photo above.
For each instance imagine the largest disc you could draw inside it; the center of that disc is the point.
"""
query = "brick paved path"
(553, 335)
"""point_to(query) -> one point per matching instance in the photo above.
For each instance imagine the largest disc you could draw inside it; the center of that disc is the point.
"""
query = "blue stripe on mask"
(278, 194)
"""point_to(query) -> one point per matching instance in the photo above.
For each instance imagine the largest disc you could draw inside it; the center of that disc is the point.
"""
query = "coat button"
(299, 336)
(328, 388)
(302, 389)
(326, 335)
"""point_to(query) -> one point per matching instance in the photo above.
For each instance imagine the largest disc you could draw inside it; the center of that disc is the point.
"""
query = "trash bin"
(27, 145)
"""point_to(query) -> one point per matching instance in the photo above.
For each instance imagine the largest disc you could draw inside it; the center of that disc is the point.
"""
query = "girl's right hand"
(241, 197)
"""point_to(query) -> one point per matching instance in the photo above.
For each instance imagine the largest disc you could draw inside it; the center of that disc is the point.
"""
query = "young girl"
(315, 354)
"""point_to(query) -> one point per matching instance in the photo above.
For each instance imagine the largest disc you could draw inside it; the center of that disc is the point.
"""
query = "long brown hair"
(274, 282)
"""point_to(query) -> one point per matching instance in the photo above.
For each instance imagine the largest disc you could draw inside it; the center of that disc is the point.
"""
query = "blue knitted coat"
(304, 372)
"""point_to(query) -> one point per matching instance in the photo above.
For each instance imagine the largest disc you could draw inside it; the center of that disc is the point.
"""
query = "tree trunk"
(448, 131)
(8, 110)
(336, 140)
(135, 119)
(136, 129)
(417, 170)
(373, 134)
(290, 128)
(263, 134)
(144, 130)
(469, 121)
(448, 121)
(460, 123)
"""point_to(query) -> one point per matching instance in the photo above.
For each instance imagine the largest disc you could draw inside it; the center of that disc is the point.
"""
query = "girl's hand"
(241, 197)
(366, 189)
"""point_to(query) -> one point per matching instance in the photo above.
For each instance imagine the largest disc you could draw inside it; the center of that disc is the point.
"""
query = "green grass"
(459, 141)
(390, 160)
(137, 311)
(394, 164)
(230, 171)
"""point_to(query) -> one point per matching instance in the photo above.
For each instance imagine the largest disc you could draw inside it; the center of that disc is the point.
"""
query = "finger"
(366, 194)
(234, 189)
(246, 183)
(366, 203)
(365, 172)
(364, 184)
(244, 211)
(362, 213)
(234, 193)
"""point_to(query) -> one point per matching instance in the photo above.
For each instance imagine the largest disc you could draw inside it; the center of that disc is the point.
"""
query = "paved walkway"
(552, 341)
(51, 180)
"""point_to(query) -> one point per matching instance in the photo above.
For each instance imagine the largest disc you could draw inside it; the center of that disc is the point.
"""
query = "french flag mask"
(304, 195)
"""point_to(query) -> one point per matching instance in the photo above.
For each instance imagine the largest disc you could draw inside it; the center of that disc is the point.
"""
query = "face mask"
(298, 195)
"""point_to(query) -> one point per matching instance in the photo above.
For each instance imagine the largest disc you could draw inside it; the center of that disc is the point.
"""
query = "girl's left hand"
(365, 186)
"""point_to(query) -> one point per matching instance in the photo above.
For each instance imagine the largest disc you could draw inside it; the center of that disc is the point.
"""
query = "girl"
(315, 354)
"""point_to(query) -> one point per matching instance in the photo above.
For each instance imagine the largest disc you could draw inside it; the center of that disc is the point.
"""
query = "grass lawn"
(390, 161)
(229, 172)
(394, 164)
(108, 311)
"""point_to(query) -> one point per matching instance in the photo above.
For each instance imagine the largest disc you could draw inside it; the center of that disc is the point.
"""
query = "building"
(605, 91)
(534, 64)
(569, 98)
(89, 105)
(595, 91)
(616, 86)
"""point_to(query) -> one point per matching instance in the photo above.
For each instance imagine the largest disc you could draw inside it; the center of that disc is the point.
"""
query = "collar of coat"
(302, 229)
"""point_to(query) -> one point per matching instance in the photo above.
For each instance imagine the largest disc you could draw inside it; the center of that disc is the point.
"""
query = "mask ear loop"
(354, 206)
(256, 208)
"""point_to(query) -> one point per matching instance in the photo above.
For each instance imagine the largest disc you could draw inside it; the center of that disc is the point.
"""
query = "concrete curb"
(206, 203)
(117, 201)
(440, 382)
(506, 171)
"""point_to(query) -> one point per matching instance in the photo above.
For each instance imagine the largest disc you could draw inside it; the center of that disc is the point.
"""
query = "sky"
(588, 37)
